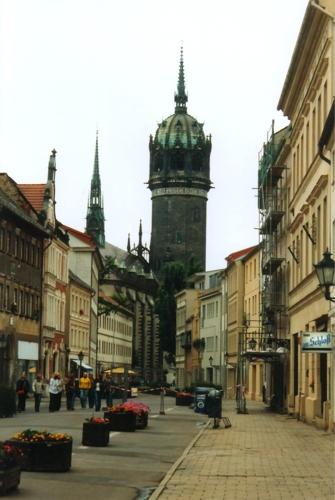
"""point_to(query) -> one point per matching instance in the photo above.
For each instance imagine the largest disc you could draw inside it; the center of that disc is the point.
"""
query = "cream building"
(80, 296)
(306, 100)
(115, 337)
(55, 273)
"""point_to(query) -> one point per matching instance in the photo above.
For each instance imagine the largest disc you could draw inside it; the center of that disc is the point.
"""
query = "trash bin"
(214, 403)
(200, 399)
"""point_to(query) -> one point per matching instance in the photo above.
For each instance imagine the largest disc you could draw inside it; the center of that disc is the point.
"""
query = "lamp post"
(210, 359)
(325, 271)
(80, 357)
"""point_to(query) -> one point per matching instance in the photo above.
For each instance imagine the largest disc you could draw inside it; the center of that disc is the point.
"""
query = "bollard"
(162, 410)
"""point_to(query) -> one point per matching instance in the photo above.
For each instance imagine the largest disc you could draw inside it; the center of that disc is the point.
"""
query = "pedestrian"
(84, 386)
(70, 390)
(108, 391)
(38, 388)
(98, 391)
(22, 389)
(91, 392)
(55, 392)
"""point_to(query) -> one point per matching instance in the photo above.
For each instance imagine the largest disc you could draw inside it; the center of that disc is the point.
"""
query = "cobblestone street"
(262, 456)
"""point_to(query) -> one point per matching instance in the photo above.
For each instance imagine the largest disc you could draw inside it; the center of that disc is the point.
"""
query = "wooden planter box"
(123, 421)
(9, 479)
(142, 421)
(184, 400)
(45, 456)
(95, 434)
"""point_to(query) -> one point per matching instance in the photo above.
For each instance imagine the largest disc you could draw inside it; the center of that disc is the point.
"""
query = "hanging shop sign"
(321, 342)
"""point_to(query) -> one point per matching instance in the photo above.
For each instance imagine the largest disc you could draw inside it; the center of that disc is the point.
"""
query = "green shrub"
(7, 401)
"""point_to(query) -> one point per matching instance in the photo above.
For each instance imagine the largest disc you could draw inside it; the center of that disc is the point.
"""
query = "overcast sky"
(71, 66)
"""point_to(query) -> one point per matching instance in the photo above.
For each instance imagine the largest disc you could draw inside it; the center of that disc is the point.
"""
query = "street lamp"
(252, 344)
(210, 361)
(325, 271)
(80, 357)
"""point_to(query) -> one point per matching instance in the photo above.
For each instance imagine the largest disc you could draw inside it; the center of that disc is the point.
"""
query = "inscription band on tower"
(187, 191)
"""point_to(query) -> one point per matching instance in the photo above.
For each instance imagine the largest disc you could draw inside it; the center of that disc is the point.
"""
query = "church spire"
(95, 220)
(181, 97)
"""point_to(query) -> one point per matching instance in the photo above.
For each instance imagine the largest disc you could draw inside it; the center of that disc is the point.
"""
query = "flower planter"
(123, 421)
(95, 434)
(45, 456)
(184, 400)
(142, 421)
(9, 479)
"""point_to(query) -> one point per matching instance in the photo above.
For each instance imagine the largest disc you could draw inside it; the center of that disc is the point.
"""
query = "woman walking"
(55, 392)
(70, 389)
(22, 389)
(38, 388)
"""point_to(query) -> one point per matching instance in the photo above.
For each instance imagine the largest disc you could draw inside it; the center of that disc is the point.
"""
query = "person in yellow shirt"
(84, 386)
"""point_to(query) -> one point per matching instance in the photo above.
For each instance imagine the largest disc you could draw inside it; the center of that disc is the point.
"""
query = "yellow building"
(235, 316)
(252, 325)
(306, 100)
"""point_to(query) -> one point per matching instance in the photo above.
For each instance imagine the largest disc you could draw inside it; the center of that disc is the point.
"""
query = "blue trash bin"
(200, 394)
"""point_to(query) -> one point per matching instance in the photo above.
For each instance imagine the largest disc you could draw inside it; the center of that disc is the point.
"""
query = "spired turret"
(95, 219)
(179, 181)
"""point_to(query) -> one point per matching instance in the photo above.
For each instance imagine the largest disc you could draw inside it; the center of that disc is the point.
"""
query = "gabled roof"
(7, 204)
(34, 194)
(85, 238)
(239, 254)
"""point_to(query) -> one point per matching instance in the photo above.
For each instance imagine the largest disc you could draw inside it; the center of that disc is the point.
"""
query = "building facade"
(55, 273)
(78, 324)
(306, 99)
(179, 182)
(21, 247)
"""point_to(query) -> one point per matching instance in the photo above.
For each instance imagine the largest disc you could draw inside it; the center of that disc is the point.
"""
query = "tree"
(173, 280)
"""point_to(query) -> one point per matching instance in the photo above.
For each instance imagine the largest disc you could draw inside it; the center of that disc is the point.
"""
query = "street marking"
(113, 434)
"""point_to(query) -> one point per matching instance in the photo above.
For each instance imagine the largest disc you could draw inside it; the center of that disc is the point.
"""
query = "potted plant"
(184, 398)
(7, 401)
(43, 451)
(127, 416)
(95, 432)
(9, 467)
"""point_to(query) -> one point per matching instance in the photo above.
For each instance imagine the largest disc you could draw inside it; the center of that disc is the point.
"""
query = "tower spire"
(181, 97)
(95, 220)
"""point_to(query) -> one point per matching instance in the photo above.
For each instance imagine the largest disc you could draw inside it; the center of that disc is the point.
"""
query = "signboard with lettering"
(317, 342)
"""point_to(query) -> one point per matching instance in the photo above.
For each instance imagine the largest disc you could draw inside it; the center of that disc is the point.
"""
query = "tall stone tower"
(179, 182)
(95, 219)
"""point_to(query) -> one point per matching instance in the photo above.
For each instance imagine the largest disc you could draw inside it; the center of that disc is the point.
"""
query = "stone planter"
(45, 456)
(184, 400)
(95, 434)
(9, 479)
(123, 421)
(142, 421)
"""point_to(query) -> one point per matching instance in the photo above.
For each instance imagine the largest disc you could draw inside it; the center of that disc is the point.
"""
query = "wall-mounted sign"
(317, 342)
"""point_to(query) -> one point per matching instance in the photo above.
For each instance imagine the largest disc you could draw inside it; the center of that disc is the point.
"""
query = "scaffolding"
(270, 343)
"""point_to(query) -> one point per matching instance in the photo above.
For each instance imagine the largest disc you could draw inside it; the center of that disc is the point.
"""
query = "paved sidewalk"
(263, 456)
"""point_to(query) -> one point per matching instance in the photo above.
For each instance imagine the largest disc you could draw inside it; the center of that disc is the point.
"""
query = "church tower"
(95, 220)
(179, 182)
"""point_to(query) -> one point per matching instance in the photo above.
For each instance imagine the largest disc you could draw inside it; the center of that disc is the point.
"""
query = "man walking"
(84, 386)
(22, 389)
